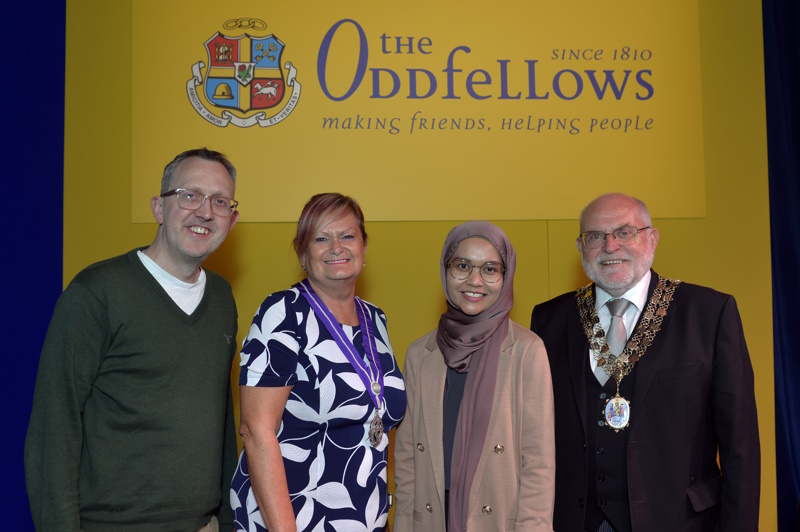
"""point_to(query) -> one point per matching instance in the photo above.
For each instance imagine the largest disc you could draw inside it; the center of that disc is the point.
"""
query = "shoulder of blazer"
(694, 295)
(422, 347)
(517, 334)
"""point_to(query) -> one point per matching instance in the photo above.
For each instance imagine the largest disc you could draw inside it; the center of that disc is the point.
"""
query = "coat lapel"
(433, 373)
(646, 368)
(578, 353)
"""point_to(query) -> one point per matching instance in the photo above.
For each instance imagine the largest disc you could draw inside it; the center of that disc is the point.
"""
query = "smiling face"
(335, 254)
(614, 267)
(185, 238)
(473, 295)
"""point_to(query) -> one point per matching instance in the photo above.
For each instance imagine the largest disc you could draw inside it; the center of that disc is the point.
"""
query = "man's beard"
(639, 266)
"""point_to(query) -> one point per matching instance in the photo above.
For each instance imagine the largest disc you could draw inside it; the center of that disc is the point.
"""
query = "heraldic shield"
(244, 73)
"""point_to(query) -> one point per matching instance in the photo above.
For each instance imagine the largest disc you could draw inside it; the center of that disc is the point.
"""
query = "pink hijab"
(472, 344)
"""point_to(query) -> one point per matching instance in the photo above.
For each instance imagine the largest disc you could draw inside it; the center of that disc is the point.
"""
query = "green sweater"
(132, 426)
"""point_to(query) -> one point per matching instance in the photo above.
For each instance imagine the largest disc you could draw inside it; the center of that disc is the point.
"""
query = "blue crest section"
(266, 52)
(223, 92)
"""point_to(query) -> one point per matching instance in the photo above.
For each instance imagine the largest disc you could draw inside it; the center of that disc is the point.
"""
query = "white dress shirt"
(636, 295)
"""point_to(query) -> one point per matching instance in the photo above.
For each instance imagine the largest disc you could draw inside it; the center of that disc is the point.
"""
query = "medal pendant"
(376, 388)
(618, 413)
(376, 430)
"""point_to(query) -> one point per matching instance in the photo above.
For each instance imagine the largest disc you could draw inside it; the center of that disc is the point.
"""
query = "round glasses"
(191, 200)
(491, 272)
(623, 235)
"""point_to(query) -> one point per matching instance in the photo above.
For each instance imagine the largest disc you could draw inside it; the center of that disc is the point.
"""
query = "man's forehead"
(199, 173)
(614, 213)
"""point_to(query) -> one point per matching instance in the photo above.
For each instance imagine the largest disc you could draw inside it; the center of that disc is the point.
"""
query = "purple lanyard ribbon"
(344, 343)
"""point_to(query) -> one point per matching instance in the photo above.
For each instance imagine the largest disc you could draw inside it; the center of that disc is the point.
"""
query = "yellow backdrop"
(441, 106)
(727, 247)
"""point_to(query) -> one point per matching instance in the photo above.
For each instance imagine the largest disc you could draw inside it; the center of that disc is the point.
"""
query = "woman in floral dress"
(320, 389)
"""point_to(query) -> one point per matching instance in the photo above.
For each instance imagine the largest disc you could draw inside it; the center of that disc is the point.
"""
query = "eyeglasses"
(491, 272)
(623, 235)
(191, 200)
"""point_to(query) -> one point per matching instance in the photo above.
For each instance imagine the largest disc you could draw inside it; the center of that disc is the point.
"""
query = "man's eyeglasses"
(191, 200)
(624, 236)
(491, 272)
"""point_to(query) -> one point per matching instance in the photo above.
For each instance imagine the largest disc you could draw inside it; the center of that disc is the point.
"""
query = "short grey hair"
(201, 153)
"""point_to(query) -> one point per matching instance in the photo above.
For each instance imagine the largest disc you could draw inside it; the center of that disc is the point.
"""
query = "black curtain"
(782, 78)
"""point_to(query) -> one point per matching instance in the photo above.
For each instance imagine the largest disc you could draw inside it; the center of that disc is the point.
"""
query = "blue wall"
(32, 98)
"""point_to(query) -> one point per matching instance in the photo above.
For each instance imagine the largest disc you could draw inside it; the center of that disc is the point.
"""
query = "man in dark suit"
(639, 429)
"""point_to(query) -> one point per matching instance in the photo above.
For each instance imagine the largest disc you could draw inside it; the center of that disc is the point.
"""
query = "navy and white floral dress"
(337, 479)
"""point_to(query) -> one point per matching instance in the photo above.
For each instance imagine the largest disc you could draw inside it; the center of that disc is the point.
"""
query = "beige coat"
(514, 485)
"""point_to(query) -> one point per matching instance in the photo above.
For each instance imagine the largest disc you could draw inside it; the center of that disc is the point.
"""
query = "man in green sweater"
(132, 426)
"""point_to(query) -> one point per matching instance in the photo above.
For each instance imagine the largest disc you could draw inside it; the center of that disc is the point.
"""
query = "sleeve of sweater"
(229, 460)
(230, 455)
(73, 350)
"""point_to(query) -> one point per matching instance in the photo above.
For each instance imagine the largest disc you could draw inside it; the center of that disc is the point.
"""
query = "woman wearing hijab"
(475, 450)
(320, 388)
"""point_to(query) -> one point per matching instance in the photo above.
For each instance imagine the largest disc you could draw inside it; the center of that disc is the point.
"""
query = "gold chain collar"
(618, 366)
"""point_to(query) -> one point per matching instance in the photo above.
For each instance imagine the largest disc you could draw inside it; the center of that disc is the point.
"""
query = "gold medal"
(618, 413)
(376, 430)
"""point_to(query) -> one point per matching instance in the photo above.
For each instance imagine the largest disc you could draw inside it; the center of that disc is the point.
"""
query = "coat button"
(420, 447)
(429, 507)
(498, 449)
(487, 510)
(580, 503)
(603, 502)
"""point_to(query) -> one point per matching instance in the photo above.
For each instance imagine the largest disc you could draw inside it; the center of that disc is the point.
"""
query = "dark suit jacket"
(693, 397)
